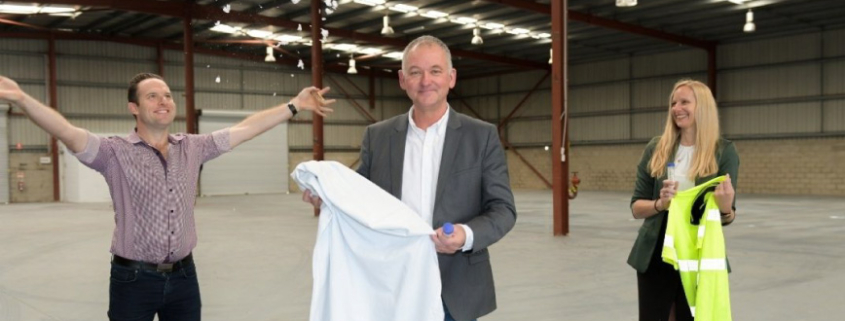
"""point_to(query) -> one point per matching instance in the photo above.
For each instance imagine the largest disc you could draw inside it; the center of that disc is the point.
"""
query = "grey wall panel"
(538, 104)
(343, 135)
(648, 125)
(105, 49)
(390, 87)
(532, 131)
(23, 67)
(771, 119)
(261, 102)
(268, 81)
(649, 93)
(525, 81)
(478, 86)
(684, 61)
(834, 43)
(834, 116)
(92, 100)
(395, 107)
(486, 106)
(218, 101)
(206, 79)
(119, 126)
(179, 126)
(592, 72)
(99, 71)
(175, 76)
(612, 96)
(599, 128)
(299, 135)
(345, 110)
(179, 99)
(39, 92)
(28, 45)
(768, 51)
(24, 131)
(834, 77)
(173, 56)
(776, 82)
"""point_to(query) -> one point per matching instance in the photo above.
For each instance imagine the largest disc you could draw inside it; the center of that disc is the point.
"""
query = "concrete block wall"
(810, 166)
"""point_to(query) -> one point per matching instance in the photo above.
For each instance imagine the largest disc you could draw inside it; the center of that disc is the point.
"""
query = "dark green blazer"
(648, 188)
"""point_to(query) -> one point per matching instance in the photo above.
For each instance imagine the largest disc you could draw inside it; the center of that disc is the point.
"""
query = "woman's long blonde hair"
(706, 134)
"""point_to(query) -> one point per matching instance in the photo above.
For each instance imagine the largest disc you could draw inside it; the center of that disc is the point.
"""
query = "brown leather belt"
(161, 267)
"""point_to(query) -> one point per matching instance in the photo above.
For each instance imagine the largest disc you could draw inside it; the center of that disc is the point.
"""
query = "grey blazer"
(473, 188)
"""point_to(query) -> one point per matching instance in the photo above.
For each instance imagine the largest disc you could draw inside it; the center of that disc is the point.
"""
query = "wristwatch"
(292, 109)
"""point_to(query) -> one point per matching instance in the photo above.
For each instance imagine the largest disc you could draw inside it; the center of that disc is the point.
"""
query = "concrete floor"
(254, 252)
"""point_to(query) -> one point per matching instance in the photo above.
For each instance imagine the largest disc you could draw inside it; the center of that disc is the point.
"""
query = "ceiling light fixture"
(749, 26)
(387, 30)
(550, 56)
(351, 69)
(269, 57)
(626, 3)
(476, 36)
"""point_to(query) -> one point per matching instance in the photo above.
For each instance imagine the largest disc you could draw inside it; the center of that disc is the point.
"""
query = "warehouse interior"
(776, 67)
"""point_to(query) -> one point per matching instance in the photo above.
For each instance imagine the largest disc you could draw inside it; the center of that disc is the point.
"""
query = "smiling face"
(427, 77)
(683, 108)
(154, 108)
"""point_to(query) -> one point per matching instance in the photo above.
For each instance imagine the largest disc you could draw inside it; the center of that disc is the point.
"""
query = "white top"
(374, 258)
(683, 158)
(423, 152)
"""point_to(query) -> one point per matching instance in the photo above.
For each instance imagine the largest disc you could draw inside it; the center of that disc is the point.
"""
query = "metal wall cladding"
(675, 62)
(538, 104)
(92, 100)
(769, 51)
(529, 131)
(599, 128)
(648, 125)
(834, 77)
(24, 131)
(600, 71)
(218, 101)
(27, 45)
(206, 79)
(105, 49)
(390, 87)
(488, 107)
(93, 70)
(834, 115)
(479, 86)
(39, 92)
(300, 135)
(655, 92)
(20, 66)
(261, 102)
(834, 43)
(525, 81)
(774, 82)
(395, 107)
(343, 135)
(119, 126)
(179, 99)
(271, 81)
(771, 119)
(611, 96)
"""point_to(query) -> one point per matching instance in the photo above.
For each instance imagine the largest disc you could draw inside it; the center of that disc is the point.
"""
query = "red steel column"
(560, 137)
(190, 111)
(54, 102)
(317, 74)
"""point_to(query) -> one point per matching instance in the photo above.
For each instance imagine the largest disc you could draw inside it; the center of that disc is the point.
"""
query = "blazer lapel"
(450, 150)
(397, 154)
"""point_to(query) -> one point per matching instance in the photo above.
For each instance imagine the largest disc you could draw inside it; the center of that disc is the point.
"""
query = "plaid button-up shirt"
(153, 198)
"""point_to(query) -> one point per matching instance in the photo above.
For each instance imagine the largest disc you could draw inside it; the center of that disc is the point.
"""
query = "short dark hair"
(132, 95)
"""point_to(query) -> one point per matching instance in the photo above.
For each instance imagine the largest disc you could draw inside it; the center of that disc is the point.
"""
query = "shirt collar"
(133, 138)
(439, 127)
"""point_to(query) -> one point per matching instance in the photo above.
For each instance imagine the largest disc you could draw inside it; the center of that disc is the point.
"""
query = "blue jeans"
(449, 315)
(137, 295)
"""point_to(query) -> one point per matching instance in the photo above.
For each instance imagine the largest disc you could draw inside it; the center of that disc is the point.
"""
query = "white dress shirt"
(423, 152)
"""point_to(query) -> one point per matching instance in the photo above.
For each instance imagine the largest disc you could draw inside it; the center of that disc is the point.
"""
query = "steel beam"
(560, 135)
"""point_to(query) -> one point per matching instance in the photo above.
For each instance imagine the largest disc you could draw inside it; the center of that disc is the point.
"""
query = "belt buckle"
(164, 267)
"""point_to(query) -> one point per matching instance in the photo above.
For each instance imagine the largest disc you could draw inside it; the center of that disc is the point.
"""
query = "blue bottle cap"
(671, 165)
(448, 228)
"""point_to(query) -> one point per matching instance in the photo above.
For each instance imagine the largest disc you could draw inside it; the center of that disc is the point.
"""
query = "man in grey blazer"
(448, 167)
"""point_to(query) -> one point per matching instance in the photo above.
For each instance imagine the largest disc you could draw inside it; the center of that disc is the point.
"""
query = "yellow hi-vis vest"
(695, 246)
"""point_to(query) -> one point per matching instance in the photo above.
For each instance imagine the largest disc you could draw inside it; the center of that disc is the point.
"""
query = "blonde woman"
(691, 141)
